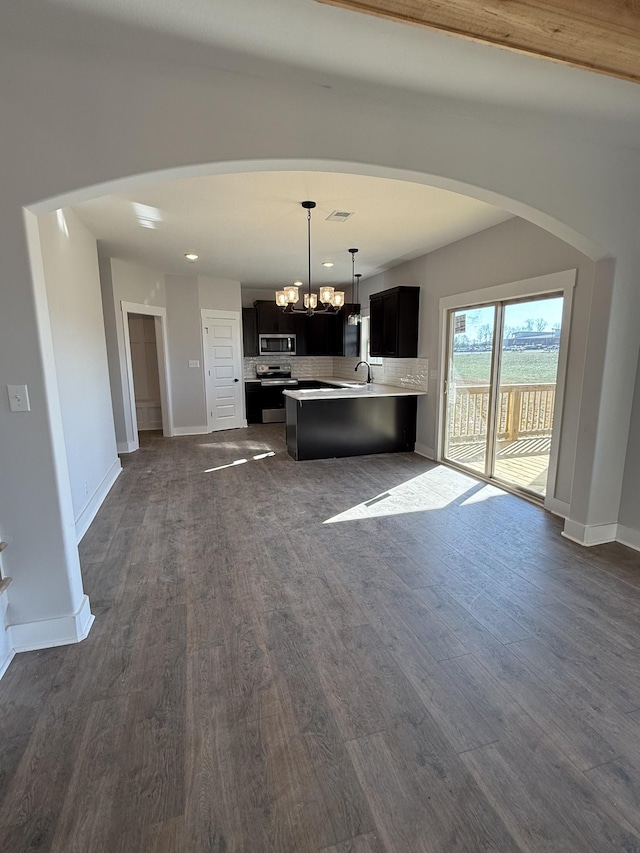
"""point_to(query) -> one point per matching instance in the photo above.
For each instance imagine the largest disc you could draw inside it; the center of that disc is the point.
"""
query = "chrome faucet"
(368, 369)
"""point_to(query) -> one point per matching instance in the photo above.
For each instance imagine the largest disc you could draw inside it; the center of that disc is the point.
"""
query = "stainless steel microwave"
(277, 344)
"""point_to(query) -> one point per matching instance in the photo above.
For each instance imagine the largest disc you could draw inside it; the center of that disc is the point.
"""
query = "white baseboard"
(629, 536)
(47, 633)
(557, 507)
(127, 446)
(96, 500)
(201, 430)
(7, 652)
(589, 534)
(423, 450)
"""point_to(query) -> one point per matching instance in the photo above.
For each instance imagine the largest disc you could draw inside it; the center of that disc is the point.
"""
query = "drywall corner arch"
(586, 244)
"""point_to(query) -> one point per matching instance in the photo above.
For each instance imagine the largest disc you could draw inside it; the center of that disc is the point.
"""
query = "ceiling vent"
(339, 216)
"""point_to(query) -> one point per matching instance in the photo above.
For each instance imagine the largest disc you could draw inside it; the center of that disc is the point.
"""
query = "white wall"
(251, 294)
(629, 519)
(511, 251)
(122, 281)
(70, 262)
(222, 294)
(185, 344)
(186, 296)
(75, 119)
(183, 296)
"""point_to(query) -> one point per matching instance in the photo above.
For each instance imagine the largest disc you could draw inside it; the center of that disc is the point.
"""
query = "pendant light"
(331, 299)
(354, 318)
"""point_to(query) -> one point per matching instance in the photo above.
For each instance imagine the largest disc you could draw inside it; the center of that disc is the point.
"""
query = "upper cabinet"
(272, 319)
(347, 340)
(249, 332)
(394, 322)
(323, 334)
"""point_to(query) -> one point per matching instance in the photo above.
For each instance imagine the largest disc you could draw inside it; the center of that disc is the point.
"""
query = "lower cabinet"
(253, 400)
(259, 399)
(324, 429)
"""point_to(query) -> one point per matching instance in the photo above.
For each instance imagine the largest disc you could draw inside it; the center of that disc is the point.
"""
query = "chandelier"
(331, 299)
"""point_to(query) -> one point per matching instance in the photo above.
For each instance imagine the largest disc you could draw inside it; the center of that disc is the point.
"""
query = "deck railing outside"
(523, 410)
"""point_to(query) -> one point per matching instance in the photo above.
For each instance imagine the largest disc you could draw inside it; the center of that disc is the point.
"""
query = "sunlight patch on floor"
(483, 495)
(239, 462)
(435, 489)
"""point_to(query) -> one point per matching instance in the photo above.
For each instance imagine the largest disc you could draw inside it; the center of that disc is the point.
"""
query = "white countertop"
(345, 390)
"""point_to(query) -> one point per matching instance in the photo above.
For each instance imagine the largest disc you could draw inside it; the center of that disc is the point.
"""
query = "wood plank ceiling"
(601, 35)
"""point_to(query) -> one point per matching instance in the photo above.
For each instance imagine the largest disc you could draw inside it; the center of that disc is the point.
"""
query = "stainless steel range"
(274, 377)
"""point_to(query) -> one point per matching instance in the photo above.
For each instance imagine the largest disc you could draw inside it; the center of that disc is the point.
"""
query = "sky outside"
(515, 315)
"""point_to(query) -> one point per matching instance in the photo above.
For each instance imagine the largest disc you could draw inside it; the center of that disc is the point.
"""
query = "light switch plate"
(18, 398)
(194, 363)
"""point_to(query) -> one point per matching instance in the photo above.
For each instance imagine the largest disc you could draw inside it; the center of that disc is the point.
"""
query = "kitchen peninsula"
(350, 419)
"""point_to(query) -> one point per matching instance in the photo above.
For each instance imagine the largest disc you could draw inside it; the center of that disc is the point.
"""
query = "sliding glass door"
(468, 387)
(502, 365)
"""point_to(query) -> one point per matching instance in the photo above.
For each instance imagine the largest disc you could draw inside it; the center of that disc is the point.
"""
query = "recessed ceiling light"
(328, 264)
(297, 284)
(191, 256)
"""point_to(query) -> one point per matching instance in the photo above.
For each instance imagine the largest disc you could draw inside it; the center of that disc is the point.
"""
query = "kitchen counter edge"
(340, 392)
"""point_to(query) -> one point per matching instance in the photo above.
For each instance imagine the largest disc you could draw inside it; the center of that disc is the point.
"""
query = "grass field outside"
(518, 366)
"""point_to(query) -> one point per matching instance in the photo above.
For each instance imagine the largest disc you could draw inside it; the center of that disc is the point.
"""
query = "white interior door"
(224, 383)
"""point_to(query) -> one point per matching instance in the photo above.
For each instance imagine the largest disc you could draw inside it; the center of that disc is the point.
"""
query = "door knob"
(236, 380)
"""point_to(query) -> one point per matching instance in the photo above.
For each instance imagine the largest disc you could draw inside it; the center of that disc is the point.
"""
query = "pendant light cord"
(354, 277)
(309, 308)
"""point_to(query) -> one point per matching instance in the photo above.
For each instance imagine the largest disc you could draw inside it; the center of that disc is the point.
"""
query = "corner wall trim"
(427, 452)
(6, 657)
(628, 536)
(200, 430)
(589, 534)
(127, 446)
(96, 500)
(47, 633)
(557, 507)
(7, 652)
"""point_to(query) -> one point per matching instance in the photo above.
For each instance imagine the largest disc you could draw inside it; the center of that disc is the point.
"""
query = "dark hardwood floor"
(437, 669)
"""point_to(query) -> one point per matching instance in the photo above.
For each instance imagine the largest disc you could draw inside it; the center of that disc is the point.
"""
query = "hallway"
(366, 654)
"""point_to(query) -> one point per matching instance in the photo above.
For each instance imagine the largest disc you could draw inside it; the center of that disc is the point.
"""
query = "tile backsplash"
(400, 372)
(302, 367)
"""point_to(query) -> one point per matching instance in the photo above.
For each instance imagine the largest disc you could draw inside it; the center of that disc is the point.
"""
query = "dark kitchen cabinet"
(394, 323)
(322, 334)
(249, 332)
(330, 334)
(300, 331)
(271, 319)
(346, 338)
(253, 400)
(319, 334)
(312, 385)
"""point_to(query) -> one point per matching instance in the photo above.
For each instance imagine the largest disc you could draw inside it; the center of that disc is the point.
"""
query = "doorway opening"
(145, 347)
(146, 376)
(500, 389)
